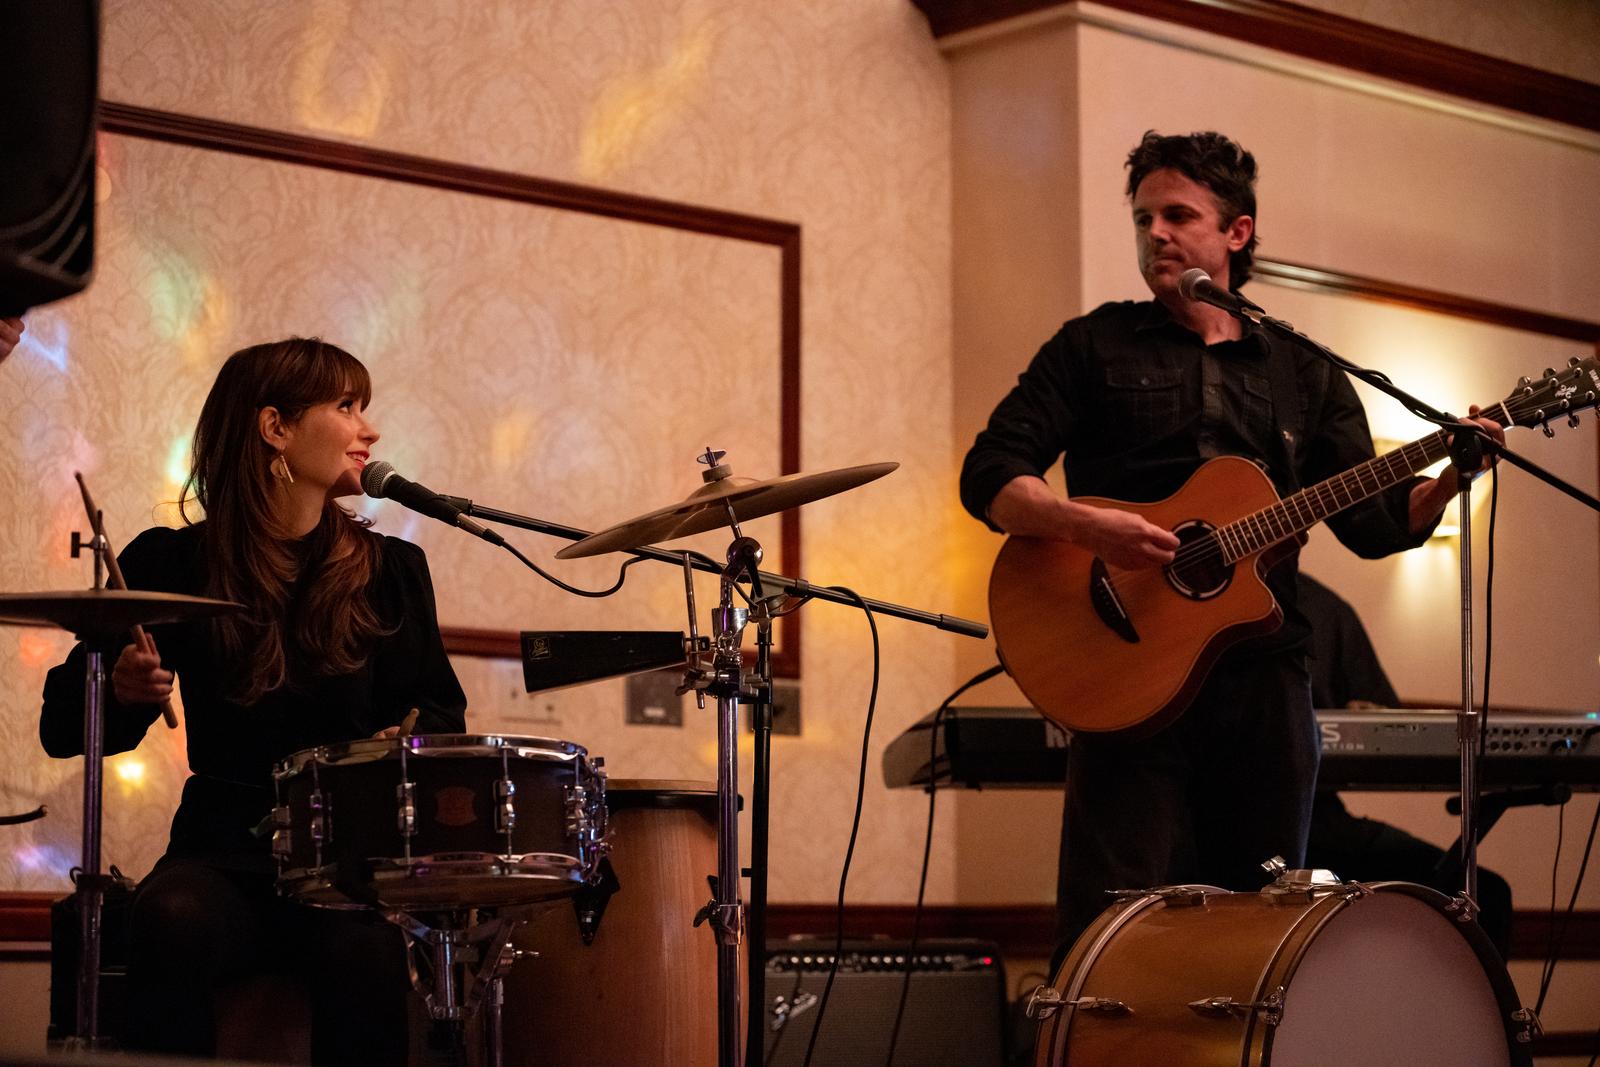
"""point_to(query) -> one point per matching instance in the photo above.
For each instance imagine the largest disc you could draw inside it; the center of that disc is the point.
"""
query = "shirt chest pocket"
(1142, 403)
(1256, 399)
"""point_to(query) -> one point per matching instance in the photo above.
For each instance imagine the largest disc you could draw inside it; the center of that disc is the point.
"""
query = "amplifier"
(954, 1015)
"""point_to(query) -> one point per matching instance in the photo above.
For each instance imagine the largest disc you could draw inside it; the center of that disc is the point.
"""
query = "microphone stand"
(1467, 448)
(730, 917)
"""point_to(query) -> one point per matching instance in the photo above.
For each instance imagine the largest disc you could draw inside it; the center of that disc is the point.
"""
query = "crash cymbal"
(707, 507)
(106, 612)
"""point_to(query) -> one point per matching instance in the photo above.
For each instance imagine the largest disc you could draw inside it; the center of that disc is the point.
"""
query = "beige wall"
(550, 363)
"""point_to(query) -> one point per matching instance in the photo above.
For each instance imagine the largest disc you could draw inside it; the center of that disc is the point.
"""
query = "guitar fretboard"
(1296, 514)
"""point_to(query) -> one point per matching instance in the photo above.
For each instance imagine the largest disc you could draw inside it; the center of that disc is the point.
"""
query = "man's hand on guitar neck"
(1428, 499)
(1027, 507)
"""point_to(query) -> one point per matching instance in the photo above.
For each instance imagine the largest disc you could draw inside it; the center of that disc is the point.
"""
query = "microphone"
(1196, 284)
(380, 480)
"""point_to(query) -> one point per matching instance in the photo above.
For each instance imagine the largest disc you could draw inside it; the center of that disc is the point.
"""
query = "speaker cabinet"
(954, 1013)
(48, 97)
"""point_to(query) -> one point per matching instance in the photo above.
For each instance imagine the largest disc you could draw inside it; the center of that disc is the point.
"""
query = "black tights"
(194, 928)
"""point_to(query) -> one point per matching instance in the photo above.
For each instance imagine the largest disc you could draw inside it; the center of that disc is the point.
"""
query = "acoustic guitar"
(1105, 650)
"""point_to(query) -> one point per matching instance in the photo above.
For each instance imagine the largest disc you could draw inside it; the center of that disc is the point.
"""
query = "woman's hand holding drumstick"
(137, 677)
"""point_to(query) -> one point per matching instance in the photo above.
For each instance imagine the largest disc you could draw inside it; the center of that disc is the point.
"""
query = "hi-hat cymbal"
(706, 508)
(106, 613)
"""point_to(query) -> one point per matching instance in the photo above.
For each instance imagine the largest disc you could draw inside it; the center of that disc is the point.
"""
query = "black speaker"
(47, 130)
(954, 1013)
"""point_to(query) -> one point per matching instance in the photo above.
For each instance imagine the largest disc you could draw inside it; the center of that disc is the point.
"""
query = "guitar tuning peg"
(1572, 420)
(1549, 372)
(1522, 382)
(1574, 361)
(1548, 432)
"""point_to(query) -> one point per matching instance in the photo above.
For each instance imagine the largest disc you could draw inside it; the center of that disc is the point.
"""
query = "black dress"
(208, 913)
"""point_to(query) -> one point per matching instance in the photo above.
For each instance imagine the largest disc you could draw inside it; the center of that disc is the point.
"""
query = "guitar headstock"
(1554, 394)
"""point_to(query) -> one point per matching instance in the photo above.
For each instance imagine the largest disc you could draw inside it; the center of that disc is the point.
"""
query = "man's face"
(1177, 226)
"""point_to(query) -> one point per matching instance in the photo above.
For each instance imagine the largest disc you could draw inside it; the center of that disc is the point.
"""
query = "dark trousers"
(1206, 800)
(195, 927)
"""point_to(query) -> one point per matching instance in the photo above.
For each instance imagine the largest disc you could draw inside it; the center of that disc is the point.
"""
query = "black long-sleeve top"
(232, 747)
(1134, 402)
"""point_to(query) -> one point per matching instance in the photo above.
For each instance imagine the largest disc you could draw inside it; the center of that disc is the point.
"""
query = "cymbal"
(106, 612)
(705, 509)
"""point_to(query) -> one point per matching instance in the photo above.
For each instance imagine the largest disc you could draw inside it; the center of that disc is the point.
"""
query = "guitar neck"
(1293, 515)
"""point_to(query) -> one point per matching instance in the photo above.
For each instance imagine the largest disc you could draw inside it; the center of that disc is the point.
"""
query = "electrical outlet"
(653, 699)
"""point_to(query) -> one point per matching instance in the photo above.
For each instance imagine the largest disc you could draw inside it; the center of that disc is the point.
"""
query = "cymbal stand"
(91, 884)
(725, 682)
(458, 965)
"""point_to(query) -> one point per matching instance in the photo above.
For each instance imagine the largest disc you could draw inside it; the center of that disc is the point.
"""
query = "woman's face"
(329, 445)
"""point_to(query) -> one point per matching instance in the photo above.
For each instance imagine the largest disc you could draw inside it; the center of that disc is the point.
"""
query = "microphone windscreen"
(1189, 281)
(373, 477)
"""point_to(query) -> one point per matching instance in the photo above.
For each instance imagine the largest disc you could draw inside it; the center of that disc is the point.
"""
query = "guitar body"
(1054, 608)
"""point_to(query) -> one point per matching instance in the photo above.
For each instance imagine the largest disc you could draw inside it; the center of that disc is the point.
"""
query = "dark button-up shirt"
(1133, 403)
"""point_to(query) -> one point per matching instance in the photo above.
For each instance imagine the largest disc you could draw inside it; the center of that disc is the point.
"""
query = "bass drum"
(644, 988)
(1288, 977)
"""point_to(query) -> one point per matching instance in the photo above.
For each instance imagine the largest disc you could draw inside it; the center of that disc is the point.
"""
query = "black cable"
(855, 822)
(1572, 905)
(927, 847)
(622, 575)
(1550, 929)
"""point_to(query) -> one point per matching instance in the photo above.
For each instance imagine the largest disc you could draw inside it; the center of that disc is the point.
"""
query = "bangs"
(331, 373)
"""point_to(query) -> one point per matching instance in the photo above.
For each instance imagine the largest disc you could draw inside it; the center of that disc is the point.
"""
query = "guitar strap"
(1287, 410)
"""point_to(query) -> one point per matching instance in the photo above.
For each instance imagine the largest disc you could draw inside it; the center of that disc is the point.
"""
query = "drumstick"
(409, 721)
(146, 644)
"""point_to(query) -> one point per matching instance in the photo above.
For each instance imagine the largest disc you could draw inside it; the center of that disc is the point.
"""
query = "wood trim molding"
(1335, 39)
(281, 147)
(1321, 279)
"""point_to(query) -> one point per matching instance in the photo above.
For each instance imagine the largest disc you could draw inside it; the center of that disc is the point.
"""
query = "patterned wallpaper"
(542, 361)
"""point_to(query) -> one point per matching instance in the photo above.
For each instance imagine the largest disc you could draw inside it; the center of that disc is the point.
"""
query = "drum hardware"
(1528, 1025)
(724, 500)
(1172, 895)
(1046, 1001)
(1270, 1009)
(98, 617)
(1464, 908)
(465, 962)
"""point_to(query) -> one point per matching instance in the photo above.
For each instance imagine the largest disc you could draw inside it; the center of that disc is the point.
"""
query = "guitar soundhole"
(1199, 572)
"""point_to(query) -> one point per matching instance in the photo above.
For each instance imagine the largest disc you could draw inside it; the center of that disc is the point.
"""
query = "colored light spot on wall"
(46, 339)
(632, 112)
(129, 769)
(335, 87)
(508, 440)
(38, 650)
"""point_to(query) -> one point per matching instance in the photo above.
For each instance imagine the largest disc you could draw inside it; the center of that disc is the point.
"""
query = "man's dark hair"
(1216, 163)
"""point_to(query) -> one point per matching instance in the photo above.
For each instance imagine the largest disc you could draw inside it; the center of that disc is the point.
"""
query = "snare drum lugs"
(438, 821)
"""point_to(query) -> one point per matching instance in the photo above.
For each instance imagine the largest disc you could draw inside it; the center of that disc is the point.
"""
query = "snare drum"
(438, 821)
(1281, 978)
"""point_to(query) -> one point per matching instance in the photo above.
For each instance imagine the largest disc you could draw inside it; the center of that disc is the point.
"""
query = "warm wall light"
(1449, 528)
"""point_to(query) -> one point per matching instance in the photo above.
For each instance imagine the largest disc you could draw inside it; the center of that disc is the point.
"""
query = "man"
(1135, 396)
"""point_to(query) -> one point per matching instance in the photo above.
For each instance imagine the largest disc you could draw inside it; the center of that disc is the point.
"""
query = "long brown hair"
(249, 559)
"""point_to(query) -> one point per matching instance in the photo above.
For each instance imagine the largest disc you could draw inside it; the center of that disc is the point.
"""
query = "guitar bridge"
(1107, 605)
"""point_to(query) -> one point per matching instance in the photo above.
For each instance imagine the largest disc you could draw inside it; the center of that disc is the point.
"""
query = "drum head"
(1391, 979)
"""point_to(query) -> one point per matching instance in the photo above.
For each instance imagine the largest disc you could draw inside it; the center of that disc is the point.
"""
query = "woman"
(339, 640)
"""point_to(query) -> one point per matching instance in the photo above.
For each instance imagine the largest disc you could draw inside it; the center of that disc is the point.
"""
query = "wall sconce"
(1449, 528)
